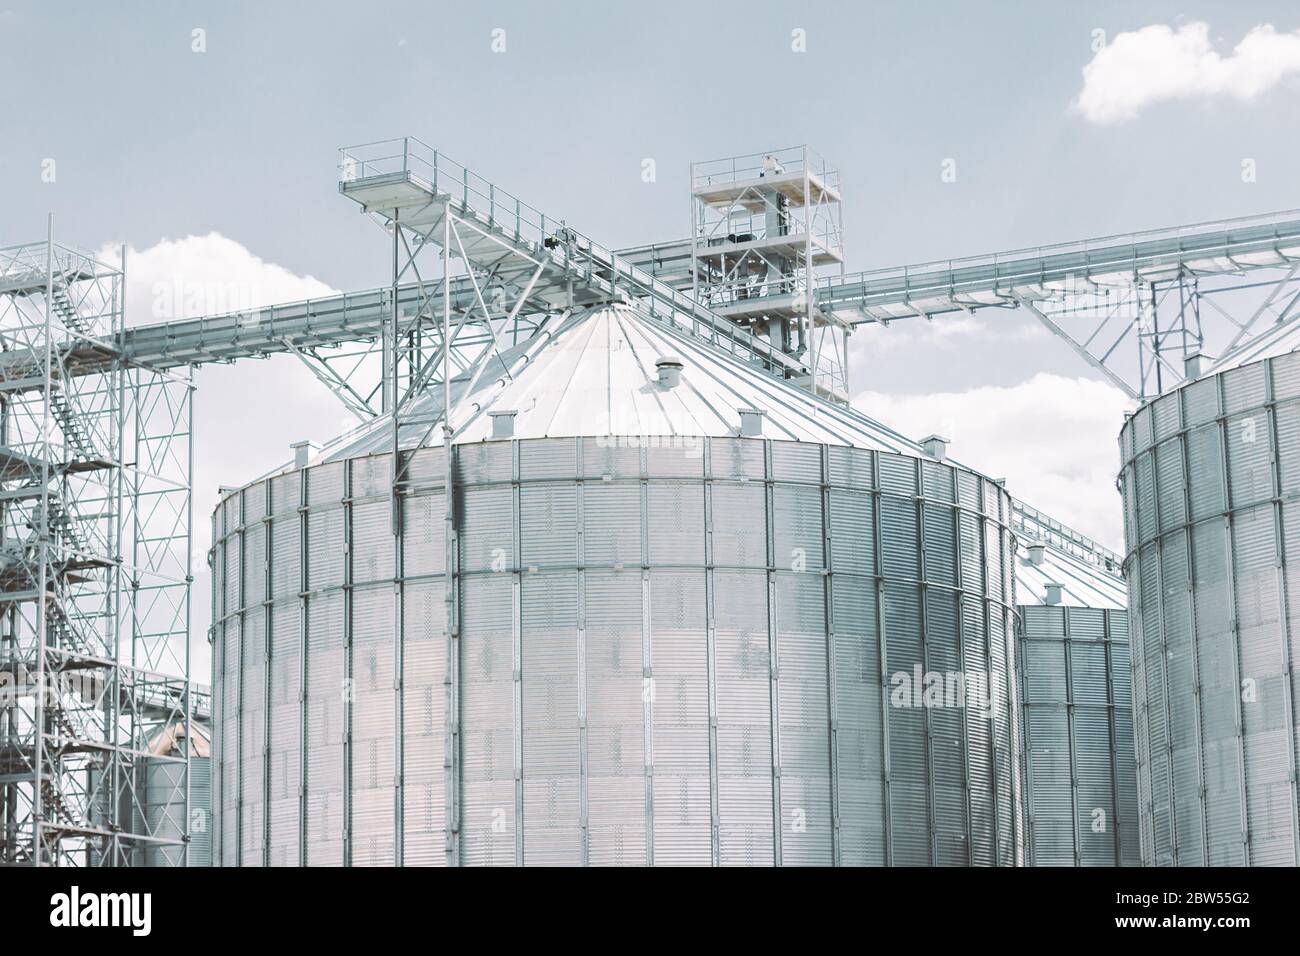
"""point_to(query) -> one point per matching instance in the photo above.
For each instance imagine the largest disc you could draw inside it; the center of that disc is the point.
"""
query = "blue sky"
(154, 141)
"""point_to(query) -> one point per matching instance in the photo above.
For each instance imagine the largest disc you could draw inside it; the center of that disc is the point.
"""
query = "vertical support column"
(389, 399)
(1111, 728)
(1284, 605)
(397, 492)
(809, 335)
(584, 809)
(832, 684)
(42, 572)
(1072, 740)
(189, 585)
(243, 669)
(1026, 742)
(774, 661)
(1162, 637)
(987, 607)
(647, 662)
(960, 606)
(349, 687)
(924, 611)
(711, 660)
(303, 669)
(883, 655)
(451, 758)
(517, 647)
(1192, 647)
(267, 684)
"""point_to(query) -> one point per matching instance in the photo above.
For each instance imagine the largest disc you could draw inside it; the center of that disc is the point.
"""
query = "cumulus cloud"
(1158, 63)
(205, 275)
(246, 414)
(1052, 437)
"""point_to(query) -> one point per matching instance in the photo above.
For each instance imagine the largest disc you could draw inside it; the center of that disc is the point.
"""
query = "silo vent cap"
(302, 452)
(936, 446)
(751, 422)
(503, 423)
(1193, 366)
(1037, 553)
(1052, 593)
(670, 371)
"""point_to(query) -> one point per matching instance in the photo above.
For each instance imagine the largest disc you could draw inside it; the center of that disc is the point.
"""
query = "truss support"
(1078, 347)
(94, 574)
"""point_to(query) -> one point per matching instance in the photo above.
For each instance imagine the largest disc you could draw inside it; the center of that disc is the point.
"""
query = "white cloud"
(246, 414)
(1157, 63)
(1053, 438)
(205, 275)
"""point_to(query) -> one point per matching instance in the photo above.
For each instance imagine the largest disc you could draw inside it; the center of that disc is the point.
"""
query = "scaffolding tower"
(95, 457)
(764, 228)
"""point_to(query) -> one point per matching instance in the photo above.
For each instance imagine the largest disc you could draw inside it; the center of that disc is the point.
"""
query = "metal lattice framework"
(763, 227)
(1139, 308)
(95, 456)
(97, 447)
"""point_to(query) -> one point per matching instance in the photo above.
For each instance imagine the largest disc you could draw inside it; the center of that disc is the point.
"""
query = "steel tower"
(94, 567)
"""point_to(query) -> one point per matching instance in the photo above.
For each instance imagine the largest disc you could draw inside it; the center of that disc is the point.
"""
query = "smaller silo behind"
(164, 798)
(1077, 751)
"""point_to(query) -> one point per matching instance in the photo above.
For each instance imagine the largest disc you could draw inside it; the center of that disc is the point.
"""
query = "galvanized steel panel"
(1214, 634)
(587, 680)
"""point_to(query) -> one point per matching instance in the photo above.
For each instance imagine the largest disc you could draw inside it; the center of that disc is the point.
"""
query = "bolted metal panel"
(373, 730)
(615, 721)
(671, 651)
(488, 718)
(424, 707)
(1214, 634)
(742, 670)
(163, 809)
(551, 726)
(284, 718)
(229, 734)
(325, 731)
(252, 737)
(1077, 719)
(200, 808)
(681, 764)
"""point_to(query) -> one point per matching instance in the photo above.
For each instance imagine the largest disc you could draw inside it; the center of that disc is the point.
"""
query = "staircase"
(68, 313)
(74, 430)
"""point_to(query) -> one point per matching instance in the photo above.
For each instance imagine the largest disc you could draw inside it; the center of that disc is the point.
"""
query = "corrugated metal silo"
(1211, 484)
(163, 801)
(691, 603)
(1076, 705)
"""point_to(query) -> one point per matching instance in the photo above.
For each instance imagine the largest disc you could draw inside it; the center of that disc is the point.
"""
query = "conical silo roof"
(597, 373)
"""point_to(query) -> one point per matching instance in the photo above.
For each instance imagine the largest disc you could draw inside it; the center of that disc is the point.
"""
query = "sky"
(204, 136)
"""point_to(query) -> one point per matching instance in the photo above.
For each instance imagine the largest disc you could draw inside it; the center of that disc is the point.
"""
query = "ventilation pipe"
(302, 452)
(503, 423)
(1052, 593)
(751, 422)
(936, 446)
(1037, 554)
(670, 371)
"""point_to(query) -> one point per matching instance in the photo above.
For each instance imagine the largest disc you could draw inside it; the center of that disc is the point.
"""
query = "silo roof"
(1279, 340)
(595, 374)
(1084, 583)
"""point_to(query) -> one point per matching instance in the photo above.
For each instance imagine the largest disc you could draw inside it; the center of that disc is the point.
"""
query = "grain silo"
(702, 617)
(165, 809)
(1075, 700)
(1211, 484)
